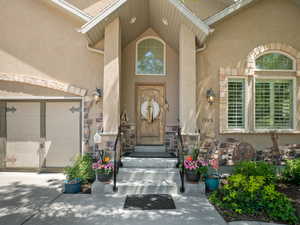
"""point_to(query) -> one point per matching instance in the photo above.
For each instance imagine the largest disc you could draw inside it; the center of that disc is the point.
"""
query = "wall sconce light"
(210, 95)
(97, 94)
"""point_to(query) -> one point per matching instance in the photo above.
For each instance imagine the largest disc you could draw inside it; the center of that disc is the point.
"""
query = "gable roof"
(149, 13)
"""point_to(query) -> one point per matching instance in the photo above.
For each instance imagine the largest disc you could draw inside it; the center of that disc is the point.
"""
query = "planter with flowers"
(194, 169)
(212, 180)
(104, 169)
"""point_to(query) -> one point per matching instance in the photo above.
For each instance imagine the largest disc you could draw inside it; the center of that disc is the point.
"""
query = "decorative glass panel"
(274, 104)
(150, 57)
(236, 103)
(274, 61)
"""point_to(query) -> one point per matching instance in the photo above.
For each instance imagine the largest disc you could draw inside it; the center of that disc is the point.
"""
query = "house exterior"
(224, 68)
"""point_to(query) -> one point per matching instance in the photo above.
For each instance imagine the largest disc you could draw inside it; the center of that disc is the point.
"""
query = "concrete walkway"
(36, 199)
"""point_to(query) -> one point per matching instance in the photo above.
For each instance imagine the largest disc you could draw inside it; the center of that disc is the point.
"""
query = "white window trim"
(246, 102)
(278, 52)
(136, 56)
(260, 77)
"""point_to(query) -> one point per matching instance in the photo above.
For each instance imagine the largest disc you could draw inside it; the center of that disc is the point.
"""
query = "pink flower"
(95, 166)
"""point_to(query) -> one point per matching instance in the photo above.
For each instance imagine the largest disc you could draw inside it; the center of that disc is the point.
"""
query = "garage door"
(30, 124)
(23, 134)
(62, 133)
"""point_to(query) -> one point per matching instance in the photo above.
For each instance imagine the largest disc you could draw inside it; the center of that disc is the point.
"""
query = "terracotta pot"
(192, 175)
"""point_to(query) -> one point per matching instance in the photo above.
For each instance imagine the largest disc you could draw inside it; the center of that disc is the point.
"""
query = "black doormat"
(149, 202)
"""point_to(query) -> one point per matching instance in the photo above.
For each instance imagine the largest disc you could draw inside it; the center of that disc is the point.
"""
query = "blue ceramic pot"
(71, 188)
(212, 183)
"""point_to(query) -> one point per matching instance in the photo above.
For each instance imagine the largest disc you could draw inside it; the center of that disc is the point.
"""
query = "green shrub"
(291, 173)
(82, 168)
(250, 168)
(254, 196)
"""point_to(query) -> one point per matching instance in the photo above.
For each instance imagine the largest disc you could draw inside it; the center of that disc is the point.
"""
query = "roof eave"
(191, 17)
(101, 17)
(72, 9)
(227, 11)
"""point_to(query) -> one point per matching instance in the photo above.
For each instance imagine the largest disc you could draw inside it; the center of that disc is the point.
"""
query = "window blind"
(274, 104)
(236, 103)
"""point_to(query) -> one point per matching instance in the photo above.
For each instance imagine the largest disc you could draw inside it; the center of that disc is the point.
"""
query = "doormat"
(149, 202)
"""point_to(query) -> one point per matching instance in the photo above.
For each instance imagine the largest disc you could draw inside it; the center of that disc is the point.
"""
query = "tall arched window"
(150, 57)
(275, 61)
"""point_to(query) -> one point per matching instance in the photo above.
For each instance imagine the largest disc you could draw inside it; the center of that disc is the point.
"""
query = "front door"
(150, 115)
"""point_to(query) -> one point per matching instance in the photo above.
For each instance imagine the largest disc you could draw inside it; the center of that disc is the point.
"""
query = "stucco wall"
(268, 21)
(40, 41)
(129, 79)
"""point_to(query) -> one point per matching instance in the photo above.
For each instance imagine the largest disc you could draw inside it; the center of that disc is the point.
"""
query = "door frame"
(42, 100)
(164, 85)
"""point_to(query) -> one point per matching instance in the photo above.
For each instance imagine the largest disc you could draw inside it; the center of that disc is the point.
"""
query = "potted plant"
(212, 180)
(73, 183)
(104, 169)
(194, 169)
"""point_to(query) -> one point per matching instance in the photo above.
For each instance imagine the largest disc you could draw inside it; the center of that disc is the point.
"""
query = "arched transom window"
(150, 57)
(274, 61)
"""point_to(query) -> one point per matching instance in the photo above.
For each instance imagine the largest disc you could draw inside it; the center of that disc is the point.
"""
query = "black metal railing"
(117, 156)
(180, 157)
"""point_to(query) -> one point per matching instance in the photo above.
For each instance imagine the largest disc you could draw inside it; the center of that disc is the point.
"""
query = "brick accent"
(248, 70)
(53, 84)
(273, 47)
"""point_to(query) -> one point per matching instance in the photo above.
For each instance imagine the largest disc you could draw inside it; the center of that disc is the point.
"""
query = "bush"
(82, 168)
(254, 196)
(250, 168)
(291, 173)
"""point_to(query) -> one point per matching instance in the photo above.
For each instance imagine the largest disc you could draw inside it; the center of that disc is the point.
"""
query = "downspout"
(99, 51)
(204, 46)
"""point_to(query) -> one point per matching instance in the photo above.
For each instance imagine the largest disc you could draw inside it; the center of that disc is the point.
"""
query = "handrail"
(116, 164)
(180, 159)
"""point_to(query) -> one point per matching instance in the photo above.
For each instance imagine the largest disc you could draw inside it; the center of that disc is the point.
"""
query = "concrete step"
(148, 148)
(146, 181)
(129, 162)
(153, 176)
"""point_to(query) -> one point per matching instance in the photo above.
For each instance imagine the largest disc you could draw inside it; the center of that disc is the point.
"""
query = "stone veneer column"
(111, 82)
(187, 83)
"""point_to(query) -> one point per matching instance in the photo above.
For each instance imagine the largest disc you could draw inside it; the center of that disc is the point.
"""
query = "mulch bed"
(293, 192)
(86, 189)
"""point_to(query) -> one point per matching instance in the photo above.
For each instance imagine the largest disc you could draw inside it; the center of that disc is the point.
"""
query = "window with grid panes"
(236, 103)
(273, 104)
(274, 61)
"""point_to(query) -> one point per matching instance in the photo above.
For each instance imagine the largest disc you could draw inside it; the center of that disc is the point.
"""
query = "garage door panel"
(62, 133)
(23, 134)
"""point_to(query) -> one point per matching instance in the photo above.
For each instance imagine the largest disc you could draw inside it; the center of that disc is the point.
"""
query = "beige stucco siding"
(40, 41)
(268, 21)
(129, 79)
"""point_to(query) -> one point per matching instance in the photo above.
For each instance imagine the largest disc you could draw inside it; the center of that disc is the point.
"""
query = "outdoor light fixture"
(210, 95)
(132, 20)
(165, 21)
(97, 94)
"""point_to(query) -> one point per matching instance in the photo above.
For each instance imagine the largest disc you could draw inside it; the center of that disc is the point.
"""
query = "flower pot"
(71, 188)
(104, 177)
(211, 183)
(192, 176)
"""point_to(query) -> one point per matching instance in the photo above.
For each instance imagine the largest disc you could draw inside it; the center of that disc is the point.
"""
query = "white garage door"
(62, 133)
(23, 134)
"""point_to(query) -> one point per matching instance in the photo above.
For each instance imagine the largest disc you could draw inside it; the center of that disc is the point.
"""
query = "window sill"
(264, 131)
